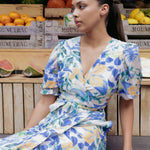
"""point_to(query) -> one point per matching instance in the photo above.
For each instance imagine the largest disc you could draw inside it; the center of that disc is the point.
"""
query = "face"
(86, 14)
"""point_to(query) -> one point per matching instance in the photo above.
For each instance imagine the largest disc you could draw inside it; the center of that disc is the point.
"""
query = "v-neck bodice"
(102, 79)
(95, 62)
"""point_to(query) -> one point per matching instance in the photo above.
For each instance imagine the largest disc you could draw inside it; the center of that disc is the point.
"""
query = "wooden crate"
(18, 96)
(55, 32)
(23, 36)
(56, 14)
(32, 10)
(17, 106)
(138, 34)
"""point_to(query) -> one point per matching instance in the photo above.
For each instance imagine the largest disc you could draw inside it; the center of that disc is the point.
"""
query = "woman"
(80, 77)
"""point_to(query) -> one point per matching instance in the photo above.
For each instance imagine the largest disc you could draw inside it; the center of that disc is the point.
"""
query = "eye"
(81, 6)
(72, 9)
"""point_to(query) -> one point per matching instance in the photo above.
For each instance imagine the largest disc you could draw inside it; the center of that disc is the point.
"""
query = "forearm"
(126, 117)
(40, 111)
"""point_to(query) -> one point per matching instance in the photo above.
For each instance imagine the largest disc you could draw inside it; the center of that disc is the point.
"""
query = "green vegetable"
(146, 12)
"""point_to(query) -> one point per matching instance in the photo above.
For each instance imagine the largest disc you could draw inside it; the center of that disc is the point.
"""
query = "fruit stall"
(28, 33)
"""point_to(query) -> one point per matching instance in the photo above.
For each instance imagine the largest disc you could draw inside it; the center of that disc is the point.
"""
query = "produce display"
(33, 71)
(16, 19)
(6, 68)
(23, 2)
(138, 16)
(59, 4)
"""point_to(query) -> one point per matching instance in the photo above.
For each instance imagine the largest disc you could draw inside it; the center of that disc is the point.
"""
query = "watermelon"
(6, 68)
(33, 71)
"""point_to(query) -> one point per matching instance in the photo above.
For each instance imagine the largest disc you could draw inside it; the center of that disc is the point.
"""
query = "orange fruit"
(5, 19)
(24, 16)
(0, 17)
(14, 15)
(28, 23)
(10, 24)
(1, 24)
(29, 19)
(40, 18)
(19, 21)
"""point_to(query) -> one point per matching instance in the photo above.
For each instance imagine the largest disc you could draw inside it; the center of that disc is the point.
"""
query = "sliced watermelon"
(6, 68)
(33, 71)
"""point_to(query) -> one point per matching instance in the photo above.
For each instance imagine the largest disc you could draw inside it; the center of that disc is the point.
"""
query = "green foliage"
(147, 12)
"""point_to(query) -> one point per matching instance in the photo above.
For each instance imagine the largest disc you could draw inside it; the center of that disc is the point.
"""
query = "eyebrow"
(78, 3)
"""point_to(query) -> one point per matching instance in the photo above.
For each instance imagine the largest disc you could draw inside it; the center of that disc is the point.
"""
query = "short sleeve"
(130, 77)
(50, 79)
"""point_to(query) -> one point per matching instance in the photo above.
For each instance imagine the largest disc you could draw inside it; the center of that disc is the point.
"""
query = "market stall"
(34, 43)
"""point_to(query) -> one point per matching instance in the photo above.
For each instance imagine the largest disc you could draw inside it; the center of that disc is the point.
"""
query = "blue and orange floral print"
(77, 119)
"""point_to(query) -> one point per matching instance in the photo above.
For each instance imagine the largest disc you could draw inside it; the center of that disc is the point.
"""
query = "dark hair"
(113, 22)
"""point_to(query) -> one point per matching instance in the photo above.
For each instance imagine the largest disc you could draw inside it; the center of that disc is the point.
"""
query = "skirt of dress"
(76, 138)
(79, 137)
(66, 127)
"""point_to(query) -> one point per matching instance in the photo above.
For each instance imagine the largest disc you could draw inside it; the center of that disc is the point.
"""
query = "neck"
(96, 37)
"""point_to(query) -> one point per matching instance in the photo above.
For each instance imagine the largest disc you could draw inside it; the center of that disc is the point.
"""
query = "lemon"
(134, 12)
(139, 16)
(132, 21)
(123, 17)
(145, 20)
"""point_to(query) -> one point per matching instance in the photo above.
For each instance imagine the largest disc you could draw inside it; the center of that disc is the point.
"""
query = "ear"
(104, 9)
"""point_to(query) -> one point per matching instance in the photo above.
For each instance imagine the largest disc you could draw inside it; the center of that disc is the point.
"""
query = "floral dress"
(77, 119)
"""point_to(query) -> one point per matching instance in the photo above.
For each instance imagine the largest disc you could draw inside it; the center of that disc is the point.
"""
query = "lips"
(77, 23)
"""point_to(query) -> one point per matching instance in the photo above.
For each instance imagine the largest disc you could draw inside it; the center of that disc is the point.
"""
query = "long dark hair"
(113, 22)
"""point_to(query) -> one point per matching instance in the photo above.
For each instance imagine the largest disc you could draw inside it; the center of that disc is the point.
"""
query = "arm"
(126, 118)
(41, 110)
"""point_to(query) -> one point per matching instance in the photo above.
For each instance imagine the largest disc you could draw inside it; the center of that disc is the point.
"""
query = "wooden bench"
(19, 95)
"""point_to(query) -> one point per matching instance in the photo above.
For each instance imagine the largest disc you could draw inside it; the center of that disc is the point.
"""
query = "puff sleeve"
(50, 79)
(130, 77)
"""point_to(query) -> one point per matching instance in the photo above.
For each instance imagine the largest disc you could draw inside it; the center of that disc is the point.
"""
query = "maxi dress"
(77, 119)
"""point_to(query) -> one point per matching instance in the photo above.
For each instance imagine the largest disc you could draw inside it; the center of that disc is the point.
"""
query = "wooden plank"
(34, 41)
(59, 20)
(37, 94)
(21, 58)
(145, 111)
(142, 43)
(136, 125)
(138, 34)
(145, 81)
(31, 10)
(8, 108)
(112, 114)
(28, 101)
(20, 78)
(18, 107)
(56, 12)
(36, 28)
(136, 29)
(1, 109)
(144, 53)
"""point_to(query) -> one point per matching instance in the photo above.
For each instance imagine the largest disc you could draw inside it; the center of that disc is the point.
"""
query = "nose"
(75, 13)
